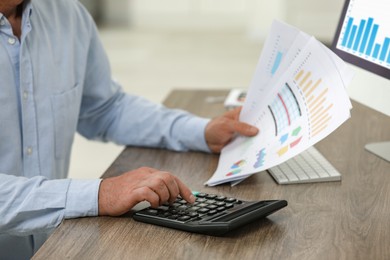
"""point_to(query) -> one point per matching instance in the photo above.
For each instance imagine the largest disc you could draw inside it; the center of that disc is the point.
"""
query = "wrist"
(101, 198)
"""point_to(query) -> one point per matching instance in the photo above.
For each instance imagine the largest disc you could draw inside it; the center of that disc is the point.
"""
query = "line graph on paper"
(318, 105)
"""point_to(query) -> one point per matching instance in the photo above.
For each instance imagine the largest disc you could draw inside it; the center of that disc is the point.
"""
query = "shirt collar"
(27, 9)
(26, 24)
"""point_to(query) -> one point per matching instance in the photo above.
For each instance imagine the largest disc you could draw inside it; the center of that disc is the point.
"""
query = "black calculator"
(211, 214)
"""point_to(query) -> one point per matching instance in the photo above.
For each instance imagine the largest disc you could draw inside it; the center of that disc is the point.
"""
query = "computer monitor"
(363, 39)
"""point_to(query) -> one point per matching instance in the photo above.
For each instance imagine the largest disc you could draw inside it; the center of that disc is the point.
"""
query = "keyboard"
(211, 214)
(308, 166)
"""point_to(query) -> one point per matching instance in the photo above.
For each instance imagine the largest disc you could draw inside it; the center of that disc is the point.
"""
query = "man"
(55, 79)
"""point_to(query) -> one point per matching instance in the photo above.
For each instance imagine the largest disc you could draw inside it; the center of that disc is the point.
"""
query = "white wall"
(370, 90)
(318, 18)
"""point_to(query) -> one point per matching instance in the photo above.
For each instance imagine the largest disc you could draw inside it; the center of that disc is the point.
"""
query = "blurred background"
(155, 46)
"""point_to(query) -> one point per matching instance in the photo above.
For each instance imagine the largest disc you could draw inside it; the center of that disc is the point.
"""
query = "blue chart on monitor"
(366, 33)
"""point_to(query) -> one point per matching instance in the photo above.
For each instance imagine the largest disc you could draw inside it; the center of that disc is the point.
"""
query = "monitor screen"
(363, 39)
(363, 35)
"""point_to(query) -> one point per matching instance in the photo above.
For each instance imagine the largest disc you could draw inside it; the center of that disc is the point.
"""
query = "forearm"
(36, 205)
(131, 120)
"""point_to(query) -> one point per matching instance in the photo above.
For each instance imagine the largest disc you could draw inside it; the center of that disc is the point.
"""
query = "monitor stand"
(381, 149)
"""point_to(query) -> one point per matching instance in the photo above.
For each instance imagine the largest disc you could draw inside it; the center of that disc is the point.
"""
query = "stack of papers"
(296, 98)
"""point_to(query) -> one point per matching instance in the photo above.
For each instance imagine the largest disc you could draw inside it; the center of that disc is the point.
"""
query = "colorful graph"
(260, 158)
(296, 131)
(236, 168)
(296, 142)
(317, 103)
(284, 109)
(282, 150)
(291, 144)
(283, 138)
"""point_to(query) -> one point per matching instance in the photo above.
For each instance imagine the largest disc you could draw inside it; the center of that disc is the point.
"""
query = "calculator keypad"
(205, 206)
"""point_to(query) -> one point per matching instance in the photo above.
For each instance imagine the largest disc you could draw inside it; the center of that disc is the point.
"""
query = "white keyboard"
(308, 166)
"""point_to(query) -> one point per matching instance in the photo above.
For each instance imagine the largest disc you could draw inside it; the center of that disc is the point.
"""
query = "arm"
(30, 206)
(109, 114)
(36, 205)
(136, 121)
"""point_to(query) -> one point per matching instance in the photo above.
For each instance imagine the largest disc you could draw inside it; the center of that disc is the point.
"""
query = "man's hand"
(117, 195)
(221, 130)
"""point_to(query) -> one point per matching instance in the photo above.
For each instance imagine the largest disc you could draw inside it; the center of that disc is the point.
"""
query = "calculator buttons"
(205, 206)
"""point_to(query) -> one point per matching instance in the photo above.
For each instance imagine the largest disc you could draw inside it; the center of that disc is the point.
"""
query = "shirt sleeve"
(109, 114)
(136, 121)
(37, 205)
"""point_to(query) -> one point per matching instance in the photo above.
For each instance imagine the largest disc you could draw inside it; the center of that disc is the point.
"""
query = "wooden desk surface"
(337, 220)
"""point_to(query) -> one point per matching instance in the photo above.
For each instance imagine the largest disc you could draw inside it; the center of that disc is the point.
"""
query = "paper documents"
(296, 98)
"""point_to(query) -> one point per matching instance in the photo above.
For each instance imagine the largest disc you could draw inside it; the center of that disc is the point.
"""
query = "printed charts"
(284, 109)
(297, 97)
(318, 105)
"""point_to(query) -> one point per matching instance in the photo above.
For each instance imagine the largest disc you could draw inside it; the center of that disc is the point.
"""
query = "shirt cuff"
(82, 198)
(194, 134)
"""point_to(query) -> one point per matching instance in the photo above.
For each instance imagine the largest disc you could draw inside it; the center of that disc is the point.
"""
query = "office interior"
(156, 46)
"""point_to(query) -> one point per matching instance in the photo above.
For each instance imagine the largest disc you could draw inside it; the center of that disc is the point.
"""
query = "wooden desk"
(336, 220)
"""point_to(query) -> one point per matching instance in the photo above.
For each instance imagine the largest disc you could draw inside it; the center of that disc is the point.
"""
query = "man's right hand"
(117, 195)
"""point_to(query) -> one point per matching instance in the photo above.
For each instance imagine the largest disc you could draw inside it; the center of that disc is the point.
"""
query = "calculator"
(211, 214)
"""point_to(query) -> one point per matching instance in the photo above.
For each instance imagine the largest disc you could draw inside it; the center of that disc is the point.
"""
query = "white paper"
(297, 97)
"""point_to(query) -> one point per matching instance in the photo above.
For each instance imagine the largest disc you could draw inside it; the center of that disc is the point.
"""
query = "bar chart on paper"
(276, 55)
(318, 105)
(365, 36)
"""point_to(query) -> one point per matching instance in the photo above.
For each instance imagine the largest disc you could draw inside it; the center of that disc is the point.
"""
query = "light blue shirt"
(53, 82)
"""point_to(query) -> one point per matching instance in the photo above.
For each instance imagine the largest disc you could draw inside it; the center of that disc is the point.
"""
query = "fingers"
(234, 113)
(185, 192)
(244, 129)
(165, 186)
(168, 187)
(160, 188)
(146, 194)
(237, 126)
(173, 189)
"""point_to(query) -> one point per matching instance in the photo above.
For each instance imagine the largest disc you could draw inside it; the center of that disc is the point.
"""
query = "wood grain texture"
(335, 220)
